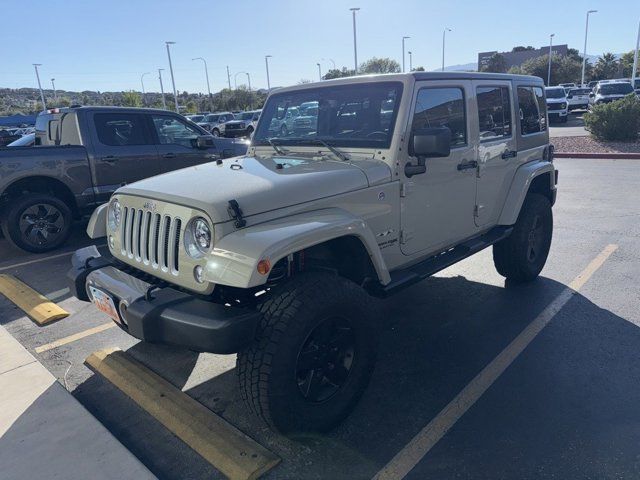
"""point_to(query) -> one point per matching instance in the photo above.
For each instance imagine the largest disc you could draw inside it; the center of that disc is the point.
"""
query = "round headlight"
(114, 215)
(197, 240)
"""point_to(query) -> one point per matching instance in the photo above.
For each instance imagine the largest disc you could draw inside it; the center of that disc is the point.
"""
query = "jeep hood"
(260, 184)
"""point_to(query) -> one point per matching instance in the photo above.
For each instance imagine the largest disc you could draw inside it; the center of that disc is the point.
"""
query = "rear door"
(123, 151)
(497, 155)
(175, 140)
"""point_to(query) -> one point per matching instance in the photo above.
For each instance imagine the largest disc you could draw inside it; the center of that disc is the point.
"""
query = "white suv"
(557, 104)
(578, 98)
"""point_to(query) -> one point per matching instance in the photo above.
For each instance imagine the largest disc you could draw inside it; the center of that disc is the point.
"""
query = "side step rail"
(403, 278)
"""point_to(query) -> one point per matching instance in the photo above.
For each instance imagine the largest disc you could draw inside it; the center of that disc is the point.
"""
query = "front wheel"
(521, 256)
(215, 132)
(313, 355)
(37, 222)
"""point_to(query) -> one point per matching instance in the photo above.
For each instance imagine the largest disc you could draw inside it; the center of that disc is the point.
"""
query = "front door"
(438, 206)
(175, 140)
(497, 155)
(123, 151)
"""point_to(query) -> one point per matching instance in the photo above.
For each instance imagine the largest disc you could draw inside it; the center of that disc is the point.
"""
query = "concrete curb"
(46, 433)
(614, 156)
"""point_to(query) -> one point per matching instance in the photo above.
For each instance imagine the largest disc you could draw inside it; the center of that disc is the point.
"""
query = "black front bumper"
(162, 315)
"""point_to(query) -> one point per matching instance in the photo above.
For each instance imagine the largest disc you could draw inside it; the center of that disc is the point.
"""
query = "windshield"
(616, 88)
(355, 115)
(196, 118)
(212, 118)
(579, 91)
(245, 116)
(555, 92)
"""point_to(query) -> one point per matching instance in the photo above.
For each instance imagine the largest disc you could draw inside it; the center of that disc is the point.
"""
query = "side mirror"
(427, 143)
(591, 95)
(204, 141)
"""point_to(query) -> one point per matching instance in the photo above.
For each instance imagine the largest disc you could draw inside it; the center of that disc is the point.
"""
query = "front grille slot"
(151, 238)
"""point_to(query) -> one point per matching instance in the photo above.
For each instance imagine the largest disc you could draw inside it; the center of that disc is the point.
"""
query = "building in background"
(519, 55)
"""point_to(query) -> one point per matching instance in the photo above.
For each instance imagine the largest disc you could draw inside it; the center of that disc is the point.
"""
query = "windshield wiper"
(342, 156)
(275, 146)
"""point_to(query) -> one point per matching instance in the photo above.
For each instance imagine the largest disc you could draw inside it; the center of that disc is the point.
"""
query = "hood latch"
(236, 213)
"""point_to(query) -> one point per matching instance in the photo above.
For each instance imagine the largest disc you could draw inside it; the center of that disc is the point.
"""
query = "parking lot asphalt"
(566, 407)
(573, 128)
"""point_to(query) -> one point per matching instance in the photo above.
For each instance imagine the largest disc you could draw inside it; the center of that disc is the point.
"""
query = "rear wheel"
(521, 256)
(37, 222)
(313, 355)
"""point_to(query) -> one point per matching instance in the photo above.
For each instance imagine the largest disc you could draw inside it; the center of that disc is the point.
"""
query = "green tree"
(338, 73)
(606, 67)
(192, 107)
(520, 48)
(495, 64)
(563, 69)
(418, 69)
(379, 65)
(131, 99)
(626, 61)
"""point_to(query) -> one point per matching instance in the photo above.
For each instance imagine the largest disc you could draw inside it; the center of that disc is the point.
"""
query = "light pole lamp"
(164, 102)
(584, 50)
(173, 81)
(266, 64)
(550, 56)
(235, 79)
(331, 60)
(403, 39)
(44, 104)
(206, 74)
(410, 61)
(355, 41)
(55, 94)
(144, 95)
(319, 71)
(444, 35)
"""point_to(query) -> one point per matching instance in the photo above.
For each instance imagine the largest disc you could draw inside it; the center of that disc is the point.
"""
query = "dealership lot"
(566, 407)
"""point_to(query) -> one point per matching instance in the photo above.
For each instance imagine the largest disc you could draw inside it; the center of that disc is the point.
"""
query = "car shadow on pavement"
(436, 336)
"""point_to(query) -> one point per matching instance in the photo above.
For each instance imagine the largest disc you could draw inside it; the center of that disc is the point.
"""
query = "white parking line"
(419, 446)
(41, 259)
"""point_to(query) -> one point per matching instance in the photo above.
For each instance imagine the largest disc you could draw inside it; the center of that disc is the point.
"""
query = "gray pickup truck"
(82, 155)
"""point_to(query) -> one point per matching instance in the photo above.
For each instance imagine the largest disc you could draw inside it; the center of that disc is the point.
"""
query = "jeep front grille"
(151, 238)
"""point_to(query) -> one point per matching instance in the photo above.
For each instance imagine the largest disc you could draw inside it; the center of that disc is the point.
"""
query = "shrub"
(619, 120)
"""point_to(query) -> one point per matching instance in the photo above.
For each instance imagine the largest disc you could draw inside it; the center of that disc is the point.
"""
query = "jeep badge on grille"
(149, 206)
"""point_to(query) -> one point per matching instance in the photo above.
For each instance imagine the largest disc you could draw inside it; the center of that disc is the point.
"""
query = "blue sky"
(107, 45)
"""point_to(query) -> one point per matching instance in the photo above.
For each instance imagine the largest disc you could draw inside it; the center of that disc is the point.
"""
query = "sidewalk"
(46, 433)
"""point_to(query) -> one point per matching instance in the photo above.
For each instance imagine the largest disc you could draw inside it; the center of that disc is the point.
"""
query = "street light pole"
(144, 95)
(634, 74)
(55, 94)
(550, 56)
(173, 81)
(355, 41)
(228, 77)
(403, 39)
(235, 80)
(164, 102)
(319, 71)
(444, 35)
(44, 104)
(410, 62)
(266, 63)
(206, 73)
(331, 60)
(584, 50)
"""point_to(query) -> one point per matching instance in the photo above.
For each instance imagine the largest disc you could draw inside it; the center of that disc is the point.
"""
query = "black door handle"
(109, 159)
(169, 155)
(467, 165)
(509, 154)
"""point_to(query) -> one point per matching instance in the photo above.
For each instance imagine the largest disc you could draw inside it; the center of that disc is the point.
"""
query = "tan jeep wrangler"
(276, 255)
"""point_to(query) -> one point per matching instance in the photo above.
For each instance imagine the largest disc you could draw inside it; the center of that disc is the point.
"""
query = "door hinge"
(477, 209)
(405, 236)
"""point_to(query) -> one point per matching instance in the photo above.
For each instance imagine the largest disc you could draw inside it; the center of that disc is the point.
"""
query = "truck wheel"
(313, 354)
(521, 256)
(215, 132)
(37, 222)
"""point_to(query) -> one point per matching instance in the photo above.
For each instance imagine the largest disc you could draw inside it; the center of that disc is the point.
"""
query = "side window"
(542, 107)
(119, 129)
(494, 112)
(528, 111)
(442, 107)
(172, 130)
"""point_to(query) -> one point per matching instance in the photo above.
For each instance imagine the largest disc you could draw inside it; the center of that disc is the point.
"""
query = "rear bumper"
(162, 315)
